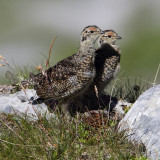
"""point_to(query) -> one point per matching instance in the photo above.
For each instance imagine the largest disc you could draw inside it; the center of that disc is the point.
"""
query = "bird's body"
(71, 76)
(107, 65)
(107, 61)
(66, 78)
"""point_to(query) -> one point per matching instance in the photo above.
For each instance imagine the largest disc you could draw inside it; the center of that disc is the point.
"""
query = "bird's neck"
(86, 45)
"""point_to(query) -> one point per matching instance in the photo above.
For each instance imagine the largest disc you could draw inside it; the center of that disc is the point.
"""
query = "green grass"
(57, 138)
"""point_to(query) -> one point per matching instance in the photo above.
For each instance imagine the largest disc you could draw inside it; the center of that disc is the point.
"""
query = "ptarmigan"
(107, 61)
(70, 77)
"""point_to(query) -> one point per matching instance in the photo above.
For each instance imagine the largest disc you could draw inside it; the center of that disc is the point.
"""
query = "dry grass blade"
(12, 130)
(2, 65)
(19, 144)
(47, 62)
(40, 68)
(113, 87)
(96, 90)
(3, 59)
(154, 83)
(97, 94)
(49, 143)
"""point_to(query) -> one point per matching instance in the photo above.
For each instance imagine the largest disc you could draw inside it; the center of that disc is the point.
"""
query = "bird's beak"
(101, 32)
(118, 37)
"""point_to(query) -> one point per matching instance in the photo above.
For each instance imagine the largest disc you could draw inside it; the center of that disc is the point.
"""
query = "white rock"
(142, 122)
(120, 105)
(19, 103)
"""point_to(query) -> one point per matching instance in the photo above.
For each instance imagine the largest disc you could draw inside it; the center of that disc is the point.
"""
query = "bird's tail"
(34, 80)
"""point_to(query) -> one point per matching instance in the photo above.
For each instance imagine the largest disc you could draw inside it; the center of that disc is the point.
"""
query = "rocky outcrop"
(20, 103)
(142, 122)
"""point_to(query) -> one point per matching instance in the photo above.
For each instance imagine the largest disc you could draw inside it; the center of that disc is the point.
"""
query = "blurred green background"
(27, 29)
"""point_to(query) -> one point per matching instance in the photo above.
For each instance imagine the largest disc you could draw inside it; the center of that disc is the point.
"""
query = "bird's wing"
(61, 80)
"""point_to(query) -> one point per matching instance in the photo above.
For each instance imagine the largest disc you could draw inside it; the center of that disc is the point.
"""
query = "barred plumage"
(106, 63)
(107, 59)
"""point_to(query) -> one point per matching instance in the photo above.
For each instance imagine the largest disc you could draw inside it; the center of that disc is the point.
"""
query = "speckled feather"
(106, 63)
(66, 78)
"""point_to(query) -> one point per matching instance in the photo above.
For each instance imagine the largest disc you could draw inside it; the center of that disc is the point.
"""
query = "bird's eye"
(91, 31)
(109, 36)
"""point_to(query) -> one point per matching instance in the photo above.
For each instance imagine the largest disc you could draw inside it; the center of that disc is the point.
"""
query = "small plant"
(58, 139)
(129, 89)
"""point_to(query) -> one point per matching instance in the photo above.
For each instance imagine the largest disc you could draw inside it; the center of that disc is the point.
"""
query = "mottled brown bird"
(106, 63)
(71, 76)
(107, 60)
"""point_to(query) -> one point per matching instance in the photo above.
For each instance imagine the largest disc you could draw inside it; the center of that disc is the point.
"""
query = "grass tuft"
(57, 138)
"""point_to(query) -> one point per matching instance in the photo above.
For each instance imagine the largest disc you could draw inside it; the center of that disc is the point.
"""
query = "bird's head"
(90, 34)
(109, 36)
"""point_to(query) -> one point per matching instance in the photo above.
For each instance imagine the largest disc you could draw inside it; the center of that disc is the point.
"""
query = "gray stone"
(119, 108)
(19, 103)
(142, 122)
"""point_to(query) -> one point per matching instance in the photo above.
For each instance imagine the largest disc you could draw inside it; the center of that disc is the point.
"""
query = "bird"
(71, 76)
(107, 62)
